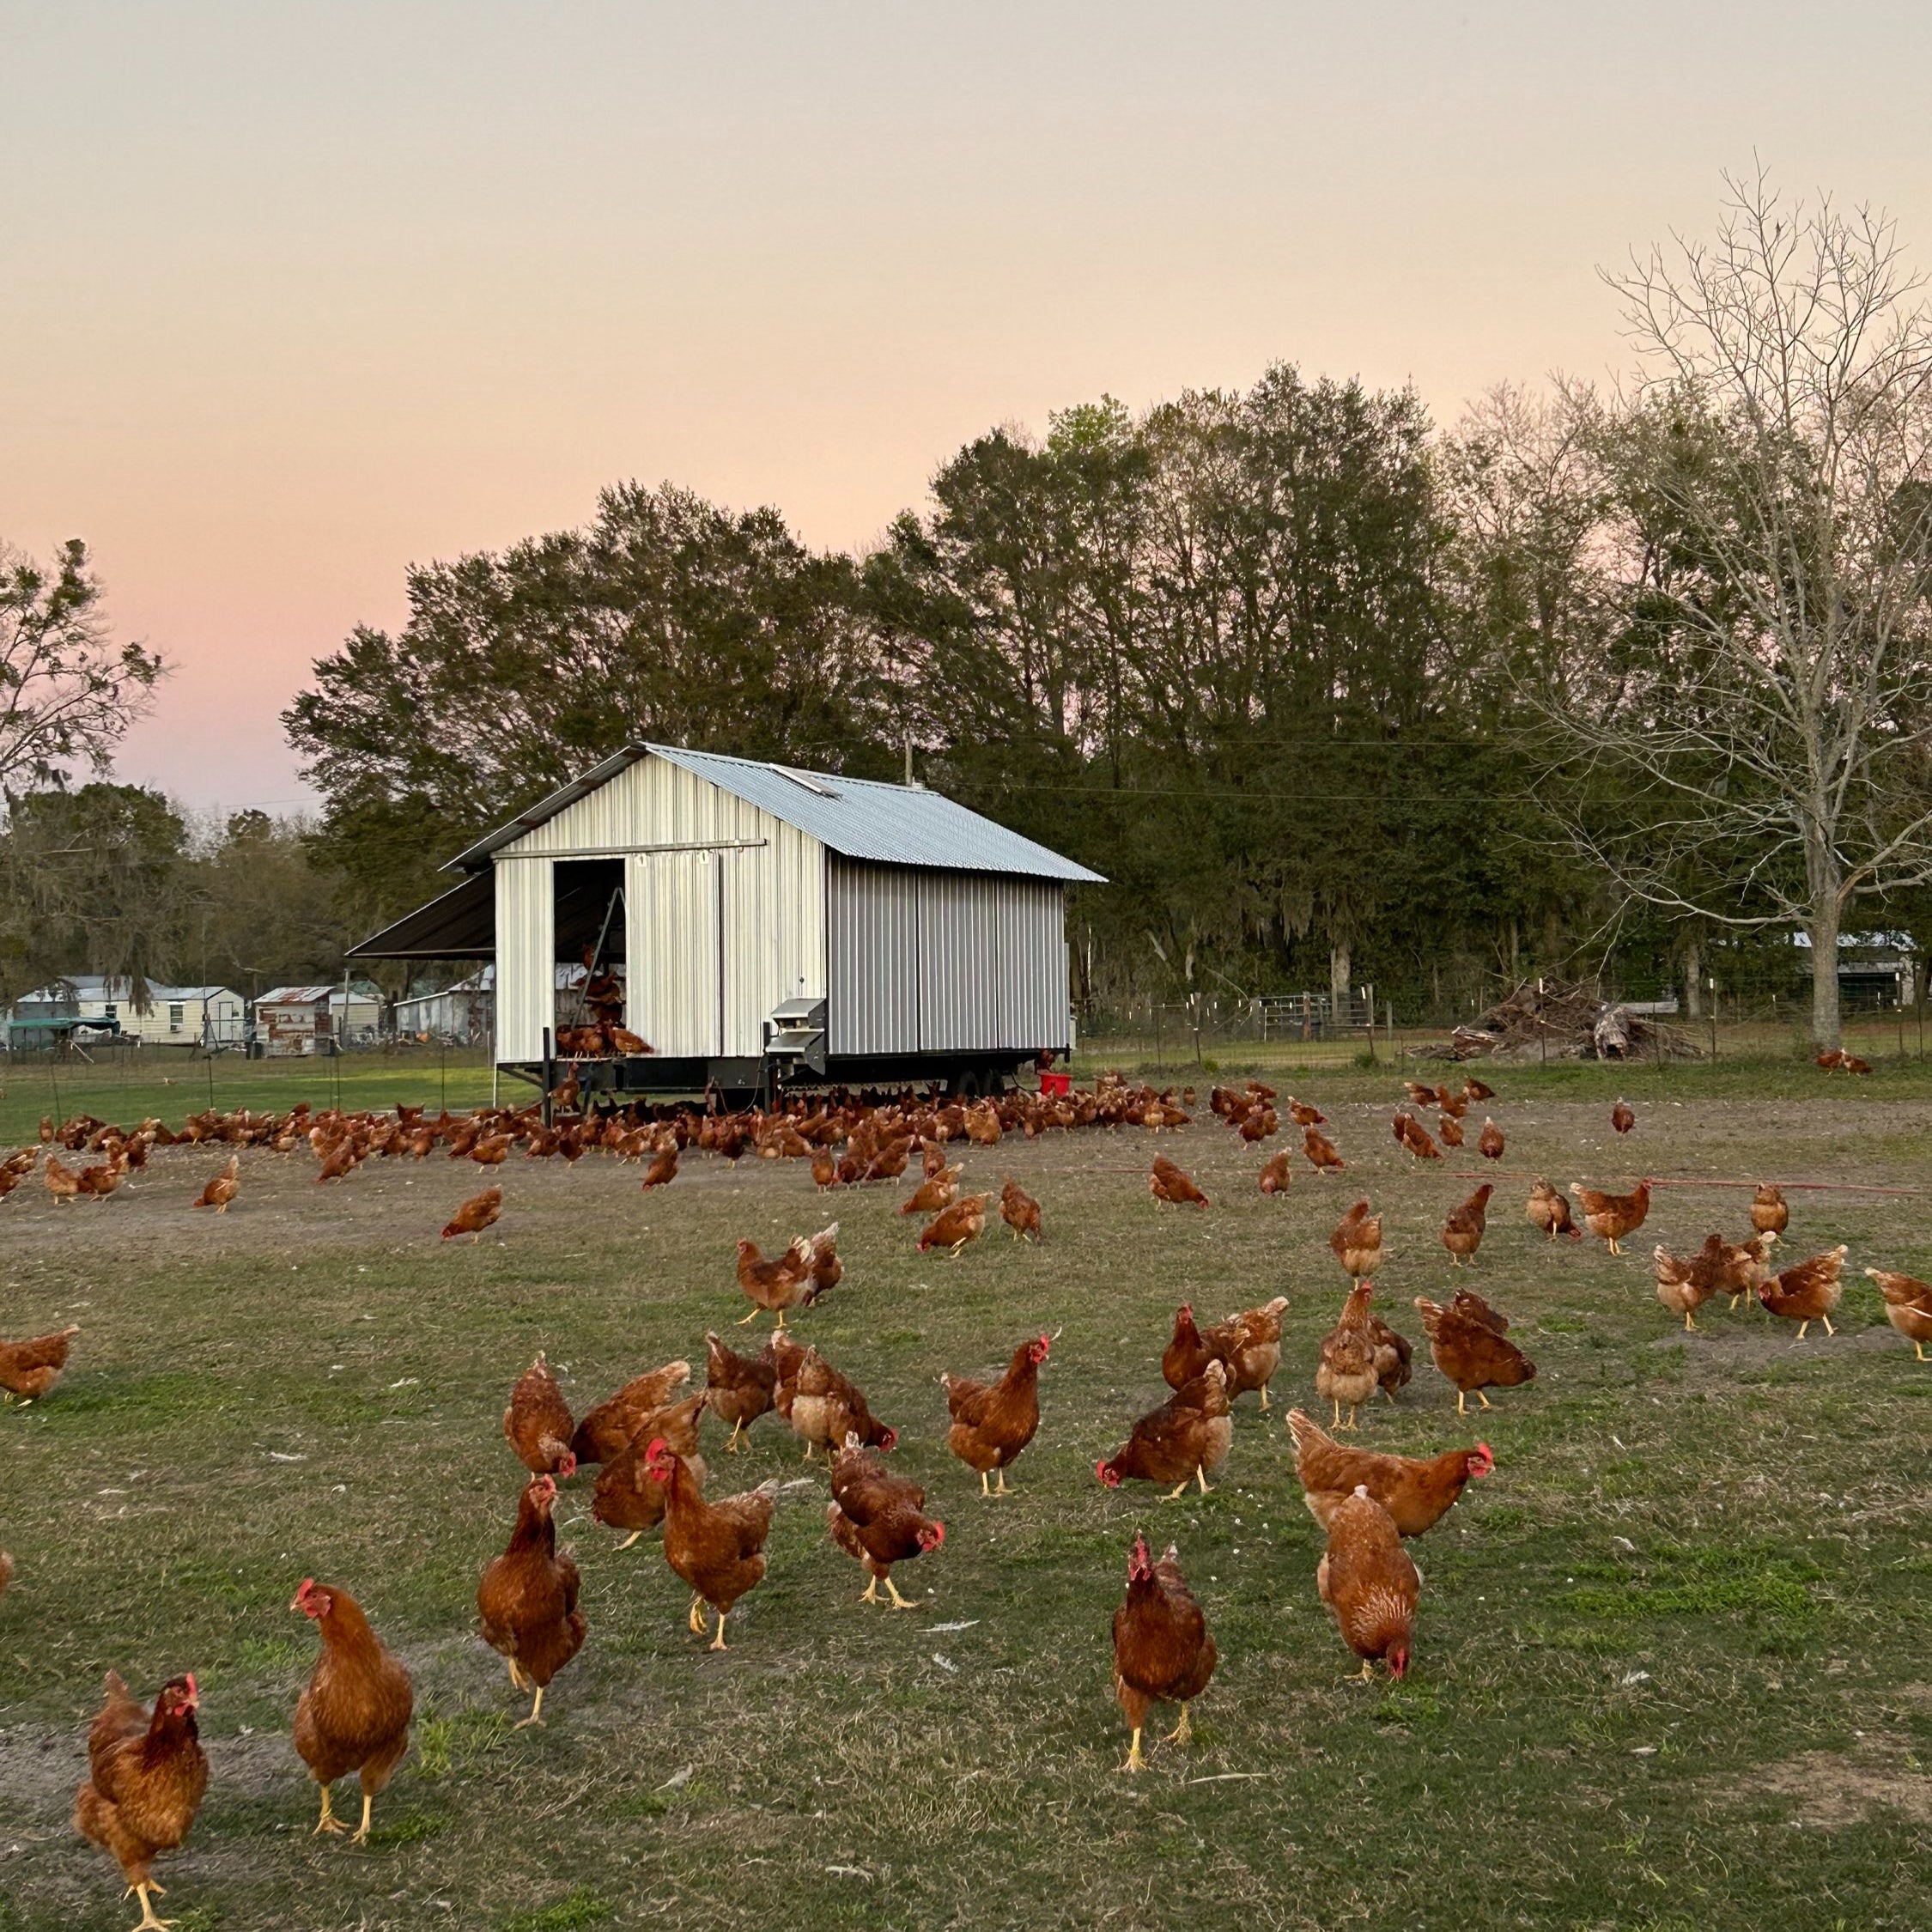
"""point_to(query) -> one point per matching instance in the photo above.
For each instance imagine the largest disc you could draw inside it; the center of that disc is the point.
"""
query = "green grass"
(1669, 1669)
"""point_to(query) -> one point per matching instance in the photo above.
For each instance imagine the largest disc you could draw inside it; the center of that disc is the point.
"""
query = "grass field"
(1670, 1664)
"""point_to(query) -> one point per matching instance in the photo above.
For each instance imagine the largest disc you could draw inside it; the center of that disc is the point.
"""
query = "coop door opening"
(591, 943)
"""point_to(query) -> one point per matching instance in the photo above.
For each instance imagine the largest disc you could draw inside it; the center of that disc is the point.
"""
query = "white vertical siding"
(873, 1003)
(672, 932)
(686, 995)
(525, 952)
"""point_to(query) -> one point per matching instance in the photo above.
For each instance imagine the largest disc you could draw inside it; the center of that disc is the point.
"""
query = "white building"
(466, 1012)
(171, 1015)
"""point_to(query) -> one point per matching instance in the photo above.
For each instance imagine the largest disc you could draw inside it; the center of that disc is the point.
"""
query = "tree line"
(1632, 682)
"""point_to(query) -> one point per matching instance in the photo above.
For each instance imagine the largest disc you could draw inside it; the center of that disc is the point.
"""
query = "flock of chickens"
(147, 1770)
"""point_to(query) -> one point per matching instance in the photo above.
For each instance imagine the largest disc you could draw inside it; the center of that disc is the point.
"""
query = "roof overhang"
(461, 925)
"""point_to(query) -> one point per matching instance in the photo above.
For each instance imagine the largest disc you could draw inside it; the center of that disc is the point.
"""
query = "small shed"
(763, 919)
(152, 1015)
(310, 1019)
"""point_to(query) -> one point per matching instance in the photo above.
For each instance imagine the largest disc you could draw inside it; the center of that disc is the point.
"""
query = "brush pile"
(1548, 1019)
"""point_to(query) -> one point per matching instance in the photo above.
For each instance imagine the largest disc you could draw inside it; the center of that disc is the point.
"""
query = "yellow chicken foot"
(1462, 1407)
(751, 1318)
(1736, 1299)
(737, 1435)
(1135, 1760)
(149, 1922)
(718, 1641)
(696, 1616)
(986, 1483)
(1349, 1423)
(871, 1590)
(1803, 1325)
(1183, 1733)
(328, 1821)
(1002, 1490)
(536, 1714)
(898, 1602)
(1264, 1398)
(1614, 1250)
(1180, 1490)
(780, 1318)
(1827, 1319)
(1484, 1399)
(361, 1834)
(1368, 1673)
(1690, 1320)
(630, 1539)
(1337, 1423)
(1200, 1476)
(516, 1681)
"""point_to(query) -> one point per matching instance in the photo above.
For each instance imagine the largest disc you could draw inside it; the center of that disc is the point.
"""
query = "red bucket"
(1056, 1086)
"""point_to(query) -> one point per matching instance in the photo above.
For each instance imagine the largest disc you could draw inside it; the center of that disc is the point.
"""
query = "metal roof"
(857, 818)
(461, 925)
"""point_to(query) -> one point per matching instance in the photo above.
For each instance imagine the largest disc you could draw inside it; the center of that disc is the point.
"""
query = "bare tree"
(67, 691)
(1753, 737)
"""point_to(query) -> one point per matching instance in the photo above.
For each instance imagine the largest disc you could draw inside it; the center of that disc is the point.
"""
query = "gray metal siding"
(938, 962)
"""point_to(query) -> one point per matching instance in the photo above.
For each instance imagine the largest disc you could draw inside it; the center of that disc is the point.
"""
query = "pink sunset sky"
(297, 295)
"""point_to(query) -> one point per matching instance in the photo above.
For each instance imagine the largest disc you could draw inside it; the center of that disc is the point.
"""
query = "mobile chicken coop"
(765, 926)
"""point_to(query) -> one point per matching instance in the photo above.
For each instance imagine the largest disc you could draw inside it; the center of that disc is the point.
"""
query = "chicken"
(827, 1270)
(1769, 1212)
(62, 1182)
(1367, 1580)
(1019, 1211)
(355, 1715)
(1831, 1059)
(1304, 1115)
(1161, 1648)
(626, 1497)
(1471, 1351)
(1612, 1216)
(528, 1599)
(145, 1779)
(611, 1427)
(1168, 1183)
(1419, 1096)
(28, 1370)
(993, 1422)
(1415, 1139)
(935, 1192)
(662, 1171)
(1462, 1232)
(1684, 1286)
(964, 1221)
(824, 1170)
(1357, 1241)
(1186, 1355)
(1744, 1267)
(1473, 1090)
(826, 1407)
(772, 1286)
(1908, 1306)
(717, 1548)
(538, 1424)
(1392, 1356)
(1417, 1492)
(1550, 1211)
(339, 1160)
(477, 1213)
(1346, 1370)
(1449, 1130)
(1808, 1292)
(879, 1520)
(1249, 1347)
(1180, 1442)
(1321, 1151)
(1489, 1142)
(1621, 1117)
(740, 1388)
(222, 1188)
(1276, 1174)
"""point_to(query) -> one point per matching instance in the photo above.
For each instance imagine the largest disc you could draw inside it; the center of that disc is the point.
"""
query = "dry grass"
(1648, 1647)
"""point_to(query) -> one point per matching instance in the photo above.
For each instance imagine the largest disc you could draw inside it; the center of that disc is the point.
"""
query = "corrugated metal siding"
(525, 944)
(671, 935)
(936, 962)
(773, 907)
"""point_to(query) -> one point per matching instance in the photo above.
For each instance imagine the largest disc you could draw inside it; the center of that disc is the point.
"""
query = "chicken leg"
(696, 1618)
(328, 1821)
(1183, 1733)
(1135, 1760)
(736, 1436)
(1264, 1398)
(149, 1922)
(536, 1714)
(1000, 1489)
(517, 1680)
(718, 1641)
(361, 1834)
(630, 1539)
